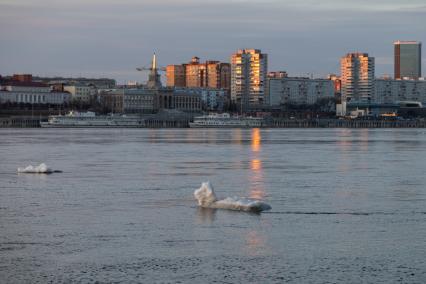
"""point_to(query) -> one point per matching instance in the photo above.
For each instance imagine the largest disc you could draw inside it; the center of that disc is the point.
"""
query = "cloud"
(51, 36)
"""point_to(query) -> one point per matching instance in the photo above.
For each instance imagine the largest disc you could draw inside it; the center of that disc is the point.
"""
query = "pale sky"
(106, 38)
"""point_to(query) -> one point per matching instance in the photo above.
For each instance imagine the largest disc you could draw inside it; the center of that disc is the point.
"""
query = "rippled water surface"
(348, 206)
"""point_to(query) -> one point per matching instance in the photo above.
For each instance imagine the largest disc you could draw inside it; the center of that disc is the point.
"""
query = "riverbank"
(344, 123)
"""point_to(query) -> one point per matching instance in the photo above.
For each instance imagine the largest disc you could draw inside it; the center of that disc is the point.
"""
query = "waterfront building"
(144, 100)
(249, 69)
(169, 98)
(79, 92)
(139, 100)
(357, 77)
(111, 100)
(129, 100)
(388, 91)
(211, 98)
(408, 59)
(298, 91)
(31, 93)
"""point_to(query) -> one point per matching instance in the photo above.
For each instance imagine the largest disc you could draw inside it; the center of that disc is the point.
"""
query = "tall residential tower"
(357, 77)
(408, 59)
(249, 69)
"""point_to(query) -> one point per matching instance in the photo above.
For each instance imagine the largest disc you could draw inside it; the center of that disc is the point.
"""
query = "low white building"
(298, 91)
(31, 93)
(56, 98)
(390, 91)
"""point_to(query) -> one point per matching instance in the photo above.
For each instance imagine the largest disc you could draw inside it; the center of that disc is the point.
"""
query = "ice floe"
(206, 198)
(40, 169)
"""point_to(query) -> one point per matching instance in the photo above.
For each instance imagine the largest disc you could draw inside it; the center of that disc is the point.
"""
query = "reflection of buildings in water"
(256, 140)
(152, 136)
(256, 165)
(255, 243)
(405, 139)
(344, 144)
(212, 136)
(364, 139)
(206, 215)
(257, 188)
(190, 135)
(237, 136)
(363, 163)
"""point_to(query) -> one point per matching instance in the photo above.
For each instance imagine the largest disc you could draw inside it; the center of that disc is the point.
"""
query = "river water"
(348, 206)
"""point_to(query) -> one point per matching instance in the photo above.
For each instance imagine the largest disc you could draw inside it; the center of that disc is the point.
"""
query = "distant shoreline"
(270, 123)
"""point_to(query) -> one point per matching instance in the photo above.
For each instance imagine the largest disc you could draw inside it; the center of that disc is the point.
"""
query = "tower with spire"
(154, 80)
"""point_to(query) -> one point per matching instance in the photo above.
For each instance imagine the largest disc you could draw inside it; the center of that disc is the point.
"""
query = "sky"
(110, 38)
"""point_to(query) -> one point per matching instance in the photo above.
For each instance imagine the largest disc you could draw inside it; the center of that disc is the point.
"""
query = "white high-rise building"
(249, 68)
(357, 75)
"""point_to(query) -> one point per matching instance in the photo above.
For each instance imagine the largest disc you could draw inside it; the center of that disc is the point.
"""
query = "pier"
(20, 122)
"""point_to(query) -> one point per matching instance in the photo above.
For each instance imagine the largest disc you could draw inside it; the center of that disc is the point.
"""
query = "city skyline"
(103, 39)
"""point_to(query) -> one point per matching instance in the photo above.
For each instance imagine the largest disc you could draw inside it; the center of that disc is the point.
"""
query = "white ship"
(225, 120)
(90, 119)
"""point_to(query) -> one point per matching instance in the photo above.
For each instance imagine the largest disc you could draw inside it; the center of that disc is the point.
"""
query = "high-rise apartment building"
(408, 59)
(218, 75)
(357, 77)
(175, 75)
(249, 69)
(211, 74)
(195, 73)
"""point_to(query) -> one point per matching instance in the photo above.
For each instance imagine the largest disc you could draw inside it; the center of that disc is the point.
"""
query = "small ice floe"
(207, 198)
(40, 169)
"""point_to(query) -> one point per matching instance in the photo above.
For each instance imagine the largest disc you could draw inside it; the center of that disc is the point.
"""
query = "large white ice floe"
(40, 169)
(207, 198)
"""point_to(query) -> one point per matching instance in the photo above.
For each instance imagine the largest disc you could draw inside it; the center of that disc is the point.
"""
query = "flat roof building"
(408, 59)
(357, 77)
(249, 68)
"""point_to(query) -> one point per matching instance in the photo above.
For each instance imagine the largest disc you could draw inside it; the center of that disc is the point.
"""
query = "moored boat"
(90, 119)
(225, 120)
